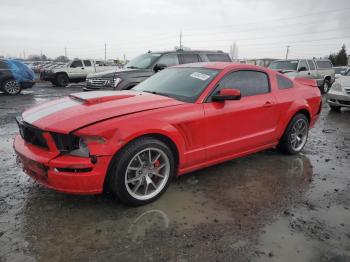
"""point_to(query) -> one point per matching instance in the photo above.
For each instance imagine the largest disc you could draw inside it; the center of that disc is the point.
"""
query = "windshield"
(184, 84)
(339, 70)
(284, 65)
(143, 61)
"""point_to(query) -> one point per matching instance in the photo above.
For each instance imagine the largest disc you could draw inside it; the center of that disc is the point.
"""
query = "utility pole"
(105, 53)
(65, 52)
(24, 54)
(180, 40)
(287, 51)
(124, 58)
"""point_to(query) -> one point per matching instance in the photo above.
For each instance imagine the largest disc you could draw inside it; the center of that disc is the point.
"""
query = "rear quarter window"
(284, 82)
(324, 64)
(189, 58)
(218, 58)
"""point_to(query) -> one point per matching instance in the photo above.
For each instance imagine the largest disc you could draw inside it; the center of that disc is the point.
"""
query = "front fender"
(120, 131)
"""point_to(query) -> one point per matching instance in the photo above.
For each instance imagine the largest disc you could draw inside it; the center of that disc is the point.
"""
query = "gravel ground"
(264, 207)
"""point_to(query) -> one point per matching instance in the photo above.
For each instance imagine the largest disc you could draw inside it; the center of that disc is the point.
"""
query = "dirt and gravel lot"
(265, 207)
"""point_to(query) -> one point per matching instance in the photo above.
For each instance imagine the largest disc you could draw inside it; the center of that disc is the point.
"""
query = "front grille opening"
(73, 170)
(344, 102)
(32, 134)
(65, 143)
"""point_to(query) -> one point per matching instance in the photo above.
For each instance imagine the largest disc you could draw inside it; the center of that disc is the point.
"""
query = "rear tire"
(62, 80)
(11, 87)
(335, 108)
(295, 136)
(141, 172)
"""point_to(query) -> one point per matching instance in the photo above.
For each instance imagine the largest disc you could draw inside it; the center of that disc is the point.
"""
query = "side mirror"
(227, 94)
(72, 66)
(303, 68)
(159, 67)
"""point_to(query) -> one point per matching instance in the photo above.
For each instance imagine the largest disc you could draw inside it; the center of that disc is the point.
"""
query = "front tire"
(325, 87)
(295, 136)
(141, 171)
(11, 87)
(62, 80)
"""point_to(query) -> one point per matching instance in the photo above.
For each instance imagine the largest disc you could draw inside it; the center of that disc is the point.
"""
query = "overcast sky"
(261, 28)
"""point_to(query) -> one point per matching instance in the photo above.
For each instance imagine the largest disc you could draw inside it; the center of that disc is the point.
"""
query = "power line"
(278, 19)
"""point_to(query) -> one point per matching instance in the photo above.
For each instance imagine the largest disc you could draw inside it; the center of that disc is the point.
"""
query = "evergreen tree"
(342, 57)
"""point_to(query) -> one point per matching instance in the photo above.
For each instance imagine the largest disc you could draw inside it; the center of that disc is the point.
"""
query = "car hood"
(343, 80)
(82, 109)
(112, 73)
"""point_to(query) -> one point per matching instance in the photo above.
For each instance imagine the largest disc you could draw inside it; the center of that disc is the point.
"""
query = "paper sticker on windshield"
(200, 76)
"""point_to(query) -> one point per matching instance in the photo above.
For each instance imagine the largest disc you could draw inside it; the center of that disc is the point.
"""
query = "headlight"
(76, 145)
(337, 87)
(116, 81)
(83, 149)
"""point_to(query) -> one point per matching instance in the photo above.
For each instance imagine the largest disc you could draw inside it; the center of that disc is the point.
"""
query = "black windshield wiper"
(156, 93)
(133, 67)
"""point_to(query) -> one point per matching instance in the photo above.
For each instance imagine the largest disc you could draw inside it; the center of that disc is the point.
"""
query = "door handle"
(82, 68)
(308, 73)
(268, 104)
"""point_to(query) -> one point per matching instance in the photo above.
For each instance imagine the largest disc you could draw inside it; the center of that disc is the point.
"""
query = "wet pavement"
(264, 207)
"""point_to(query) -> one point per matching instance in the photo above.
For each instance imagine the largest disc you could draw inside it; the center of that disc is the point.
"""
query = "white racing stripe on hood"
(31, 118)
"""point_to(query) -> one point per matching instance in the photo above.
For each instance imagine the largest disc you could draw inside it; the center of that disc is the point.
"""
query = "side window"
(284, 82)
(189, 58)
(76, 63)
(218, 58)
(311, 64)
(324, 64)
(3, 65)
(248, 82)
(303, 64)
(168, 60)
(87, 63)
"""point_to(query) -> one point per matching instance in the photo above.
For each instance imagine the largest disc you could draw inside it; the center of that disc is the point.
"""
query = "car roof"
(315, 59)
(220, 65)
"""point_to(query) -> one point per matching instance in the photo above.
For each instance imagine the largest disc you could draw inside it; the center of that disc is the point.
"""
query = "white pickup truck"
(74, 72)
(320, 70)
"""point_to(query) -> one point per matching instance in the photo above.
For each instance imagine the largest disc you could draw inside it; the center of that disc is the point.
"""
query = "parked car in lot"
(339, 94)
(74, 72)
(319, 69)
(340, 70)
(46, 69)
(146, 65)
(15, 76)
(181, 119)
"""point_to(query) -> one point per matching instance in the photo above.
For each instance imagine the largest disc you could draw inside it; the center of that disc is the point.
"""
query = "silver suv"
(319, 69)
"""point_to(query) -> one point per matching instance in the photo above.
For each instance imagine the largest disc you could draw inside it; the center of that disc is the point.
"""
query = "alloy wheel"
(147, 173)
(299, 134)
(12, 87)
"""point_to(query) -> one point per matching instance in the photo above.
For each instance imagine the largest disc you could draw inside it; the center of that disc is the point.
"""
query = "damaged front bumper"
(64, 173)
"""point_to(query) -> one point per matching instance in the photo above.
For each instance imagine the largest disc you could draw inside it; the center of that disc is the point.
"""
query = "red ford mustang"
(181, 119)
